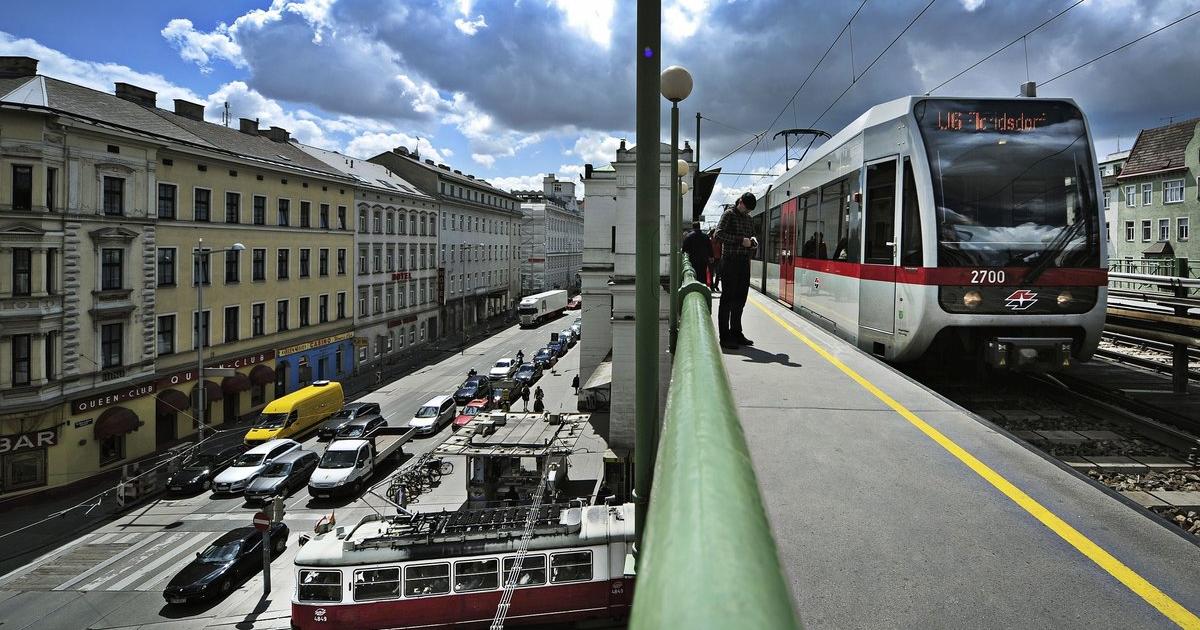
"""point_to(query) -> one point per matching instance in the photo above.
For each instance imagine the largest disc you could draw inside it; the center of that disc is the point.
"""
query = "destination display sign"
(980, 121)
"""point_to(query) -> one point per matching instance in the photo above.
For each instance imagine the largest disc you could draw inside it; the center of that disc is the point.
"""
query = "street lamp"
(675, 85)
(198, 256)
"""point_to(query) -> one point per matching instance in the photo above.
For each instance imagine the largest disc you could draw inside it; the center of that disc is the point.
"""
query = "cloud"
(470, 27)
(596, 148)
(201, 48)
(591, 18)
(971, 5)
(682, 18)
(368, 145)
(519, 182)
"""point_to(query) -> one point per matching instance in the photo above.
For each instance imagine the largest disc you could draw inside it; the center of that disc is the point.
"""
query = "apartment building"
(1159, 199)
(551, 237)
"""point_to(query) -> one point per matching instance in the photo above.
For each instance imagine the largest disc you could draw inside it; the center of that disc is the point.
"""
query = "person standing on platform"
(715, 272)
(525, 398)
(699, 251)
(735, 232)
(538, 405)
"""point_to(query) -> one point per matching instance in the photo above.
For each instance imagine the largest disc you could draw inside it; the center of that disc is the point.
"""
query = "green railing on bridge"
(709, 559)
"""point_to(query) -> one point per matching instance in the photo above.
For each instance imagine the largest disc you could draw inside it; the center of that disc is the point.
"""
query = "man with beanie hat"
(735, 232)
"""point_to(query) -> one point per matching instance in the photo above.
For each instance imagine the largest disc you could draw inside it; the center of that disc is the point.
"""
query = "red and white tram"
(962, 225)
(449, 569)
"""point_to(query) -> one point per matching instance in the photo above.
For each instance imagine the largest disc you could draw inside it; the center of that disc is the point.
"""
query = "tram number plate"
(988, 276)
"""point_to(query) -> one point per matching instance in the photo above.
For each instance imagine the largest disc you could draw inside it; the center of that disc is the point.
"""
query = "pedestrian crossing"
(120, 561)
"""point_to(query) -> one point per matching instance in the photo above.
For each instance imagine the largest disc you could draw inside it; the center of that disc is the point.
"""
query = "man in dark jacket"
(699, 251)
(735, 232)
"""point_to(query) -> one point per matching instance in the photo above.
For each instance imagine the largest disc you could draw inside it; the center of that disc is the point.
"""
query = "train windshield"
(1013, 183)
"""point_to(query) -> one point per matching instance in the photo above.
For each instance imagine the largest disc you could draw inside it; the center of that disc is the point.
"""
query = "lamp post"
(200, 256)
(676, 85)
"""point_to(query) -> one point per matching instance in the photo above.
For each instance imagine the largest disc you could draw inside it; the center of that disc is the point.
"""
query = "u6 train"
(957, 226)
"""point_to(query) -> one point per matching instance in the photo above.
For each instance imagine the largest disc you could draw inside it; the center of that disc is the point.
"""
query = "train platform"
(895, 508)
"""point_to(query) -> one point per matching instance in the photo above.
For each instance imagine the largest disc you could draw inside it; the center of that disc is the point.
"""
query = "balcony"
(28, 307)
(111, 304)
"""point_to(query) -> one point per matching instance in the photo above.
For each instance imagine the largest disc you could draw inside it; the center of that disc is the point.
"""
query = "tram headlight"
(1065, 299)
(972, 299)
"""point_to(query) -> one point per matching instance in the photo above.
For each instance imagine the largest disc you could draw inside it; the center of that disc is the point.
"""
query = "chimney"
(587, 171)
(15, 67)
(457, 172)
(401, 150)
(135, 94)
(622, 147)
(468, 176)
(245, 125)
(429, 161)
(278, 134)
(443, 167)
(187, 109)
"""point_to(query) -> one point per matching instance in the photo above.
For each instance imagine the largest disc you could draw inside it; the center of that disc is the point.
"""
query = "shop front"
(328, 358)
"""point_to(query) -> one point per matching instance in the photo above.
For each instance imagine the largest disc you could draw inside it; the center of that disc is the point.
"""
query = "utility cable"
(1118, 48)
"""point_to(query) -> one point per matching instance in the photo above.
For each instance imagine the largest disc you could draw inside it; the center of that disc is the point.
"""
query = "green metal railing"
(709, 559)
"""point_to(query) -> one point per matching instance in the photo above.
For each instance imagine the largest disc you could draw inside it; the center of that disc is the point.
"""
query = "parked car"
(575, 303)
(559, 347)
(504, 368)
(363, 428)
(197, 472)
(577, 328)
(473, 408)
(283, 476)
(545, 358)
(348, 465)
(224, 564)
(349, 412)
(569, 335)
(506, 392)
(528, 373)
(250, 464)
(472, 388)
(438, 411)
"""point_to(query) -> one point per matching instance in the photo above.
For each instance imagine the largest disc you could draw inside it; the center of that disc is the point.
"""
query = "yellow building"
(103, 201)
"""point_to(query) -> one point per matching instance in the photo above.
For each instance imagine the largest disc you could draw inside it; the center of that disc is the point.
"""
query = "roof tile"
(1160, 148)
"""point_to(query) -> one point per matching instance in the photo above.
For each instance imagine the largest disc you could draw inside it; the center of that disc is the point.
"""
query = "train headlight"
(1065, 299)
(972, 299)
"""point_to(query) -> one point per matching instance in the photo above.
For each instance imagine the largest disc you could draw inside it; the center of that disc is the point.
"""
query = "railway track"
(1145, 353)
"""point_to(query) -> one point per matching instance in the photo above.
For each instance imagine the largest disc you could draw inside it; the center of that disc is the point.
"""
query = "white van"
(432, 415)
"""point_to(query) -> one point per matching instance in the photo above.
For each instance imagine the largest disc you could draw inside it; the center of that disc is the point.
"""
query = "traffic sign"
(262, 521)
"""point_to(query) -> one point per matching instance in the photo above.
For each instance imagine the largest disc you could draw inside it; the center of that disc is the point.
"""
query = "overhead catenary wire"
(1119, 48)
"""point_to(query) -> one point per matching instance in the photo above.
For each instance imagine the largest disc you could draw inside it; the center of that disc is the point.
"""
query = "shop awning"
(115, 421)
(172, 401)
(262, 375)
(212, 389)
(235, 384)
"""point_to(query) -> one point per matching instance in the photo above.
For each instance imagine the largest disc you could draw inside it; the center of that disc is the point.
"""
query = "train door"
(787, 245)
(877, 286)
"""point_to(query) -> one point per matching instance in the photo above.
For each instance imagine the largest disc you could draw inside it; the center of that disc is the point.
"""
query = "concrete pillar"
(37, 279)
(37, 358)
(5, 361)
(6, 263)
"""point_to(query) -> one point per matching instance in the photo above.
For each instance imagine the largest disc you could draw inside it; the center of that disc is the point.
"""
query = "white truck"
(535, 309)
(348, 464)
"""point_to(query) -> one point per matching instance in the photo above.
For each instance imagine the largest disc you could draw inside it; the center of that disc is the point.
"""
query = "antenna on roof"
(1170, 119)
(417, 150)
(226, 117)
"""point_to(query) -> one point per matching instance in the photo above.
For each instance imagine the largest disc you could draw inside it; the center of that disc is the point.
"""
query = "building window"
(22, 192)
(1173, 191)
(199, 334)
(112, 449)
(403, 223)
(1131, 196)
(303, 312)
(166, 266)
(324, 216)
(1164, 229)
(166, 334)
(391, 258)
(362, 302)
(362, 260)
(323, 263)
(201, 204)
(1147, 193)
(305, 210)
(285, 206)
(1182, 230)
(341, 262)
(341, 305)
(258, 395)
(167, 199)
(200, 267)
(304, 256)
(377, 259)
(391, 222)
(111, 269)
(1146, 230)
(1107, 199)
(322, 309)
(362, 220)
(233, 207)
(114, 196)
(260, 210)
(233, 260)
(21, 359)
(433, 225)
(22, 271)
(281, 265)
(231, 323)
(1129, 231)
(412, 224)
(378, 225)
(111, 345)
(258, 319)
(52, 270)
(377, 300)
(258, 269)
(51, 187)
(51, 355)
(341, 216)
(281, 315)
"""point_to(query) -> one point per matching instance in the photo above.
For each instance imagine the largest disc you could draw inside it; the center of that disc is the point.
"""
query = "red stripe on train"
(1053, 277)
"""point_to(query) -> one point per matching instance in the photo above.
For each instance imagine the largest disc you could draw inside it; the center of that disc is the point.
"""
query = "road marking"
(46, 557)
(162, 559)
(127, 538)
(100, 567)
(1131, 579)
(147, 551)
(181, 561)
(105, 538)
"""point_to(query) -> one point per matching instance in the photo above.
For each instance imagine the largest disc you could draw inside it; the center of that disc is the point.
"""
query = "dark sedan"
(362, 428)
(528, 374)
(283, 476)
(227, 562)
(559, 347)
(545, 358)
(474, 387)
(197, 472)
(347, 414)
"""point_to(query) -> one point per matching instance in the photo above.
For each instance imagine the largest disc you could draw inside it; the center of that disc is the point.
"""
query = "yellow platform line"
(1130, 578)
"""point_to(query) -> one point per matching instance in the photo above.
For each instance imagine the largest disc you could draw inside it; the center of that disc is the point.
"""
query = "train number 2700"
(987, 276)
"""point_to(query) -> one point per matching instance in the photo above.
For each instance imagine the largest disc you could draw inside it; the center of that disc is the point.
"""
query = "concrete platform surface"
(894, 508)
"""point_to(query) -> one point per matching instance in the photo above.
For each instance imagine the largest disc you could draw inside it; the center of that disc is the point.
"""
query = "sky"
(511, 90)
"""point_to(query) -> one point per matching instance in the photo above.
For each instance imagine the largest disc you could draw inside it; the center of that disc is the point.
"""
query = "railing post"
(1179, 351)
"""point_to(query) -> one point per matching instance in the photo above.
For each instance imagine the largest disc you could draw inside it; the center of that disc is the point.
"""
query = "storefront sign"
(402, 275)
(84, 405)
(441, 285)
(187, 376)
(315, 343)
(79, 424)
(28, 441)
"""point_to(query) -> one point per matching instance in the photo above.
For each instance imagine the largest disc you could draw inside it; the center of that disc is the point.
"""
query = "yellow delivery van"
(297, 412)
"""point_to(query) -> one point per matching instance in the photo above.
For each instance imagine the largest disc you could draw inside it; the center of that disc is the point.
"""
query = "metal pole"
(697, 155)
(1179, 352)
(201, 390)
(649, 34)
(676, 209)
(267, 559)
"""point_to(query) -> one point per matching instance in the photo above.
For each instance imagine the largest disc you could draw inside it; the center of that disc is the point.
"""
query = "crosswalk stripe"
(105, 538)
(100, 567)
(46, 557)
(145, 553)
(128, 538)
(162, 559)
(181, 560)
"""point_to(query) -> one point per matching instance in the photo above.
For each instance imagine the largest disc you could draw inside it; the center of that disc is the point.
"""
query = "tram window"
(772, 242)
(910, 221)
(426, 579)
(849, 231)
(376, 584)
(476, 575)
(881, 212)
(575, 566)
(319, 586)
(829, 214)
(808, 219)
(533, 570)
